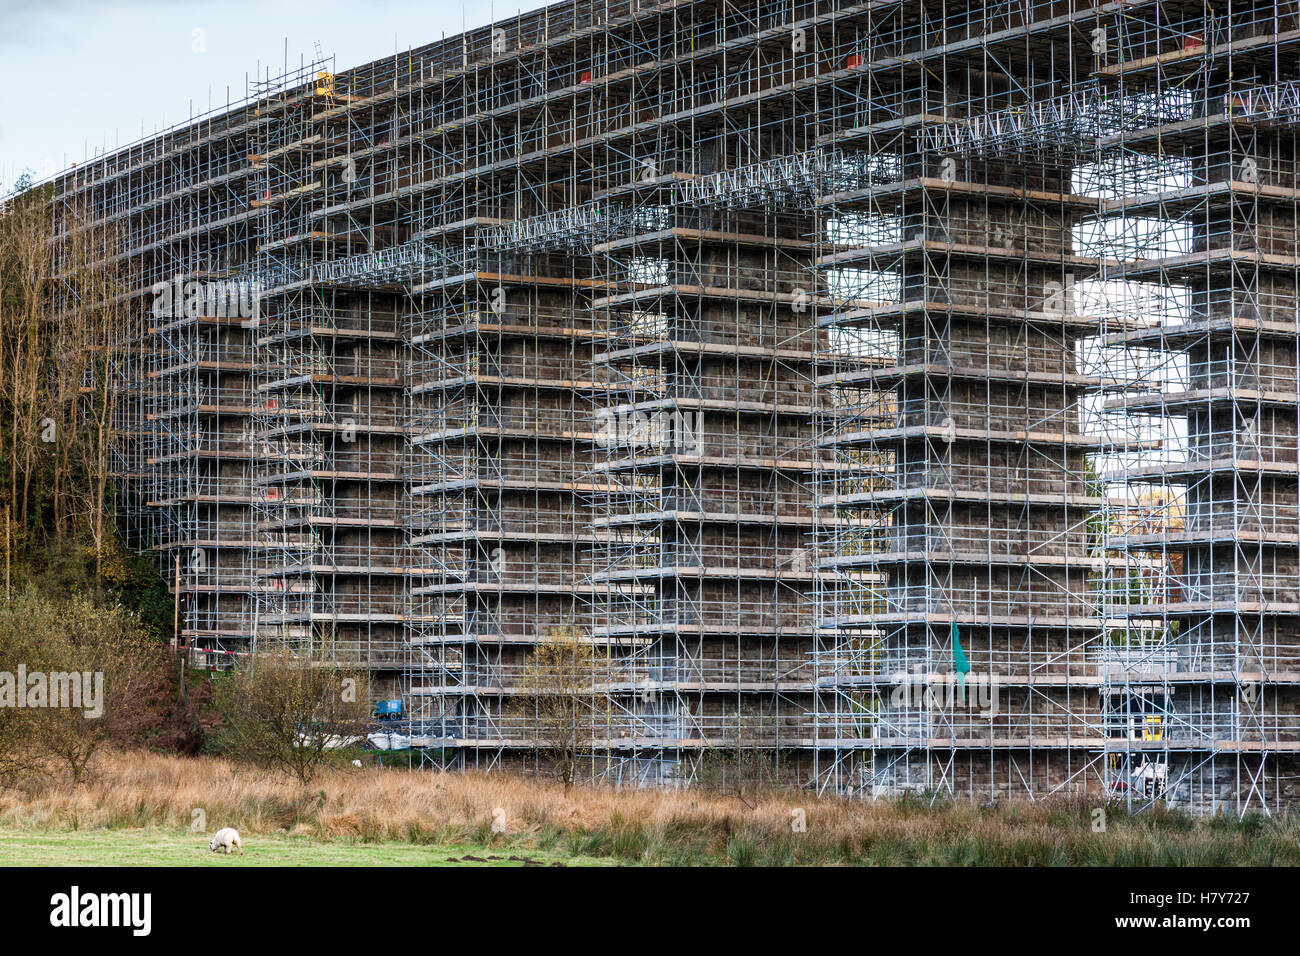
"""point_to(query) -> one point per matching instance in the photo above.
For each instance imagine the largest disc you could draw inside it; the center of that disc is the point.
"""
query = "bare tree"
(291, 712)
(63, 320)
(25, 283)
(91, 301)
(562, 707)
(62, 310)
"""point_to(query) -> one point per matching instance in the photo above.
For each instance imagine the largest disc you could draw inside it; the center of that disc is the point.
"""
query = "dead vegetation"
(290, 712)
(637, 826)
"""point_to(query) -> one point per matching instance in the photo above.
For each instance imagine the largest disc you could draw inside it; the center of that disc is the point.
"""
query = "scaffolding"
(1197, 227)
(1085, 304)
(901, 397)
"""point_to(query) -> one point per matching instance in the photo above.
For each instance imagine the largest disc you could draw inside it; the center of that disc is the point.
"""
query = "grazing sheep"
(226, 837)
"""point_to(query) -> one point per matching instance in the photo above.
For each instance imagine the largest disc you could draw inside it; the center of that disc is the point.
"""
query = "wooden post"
(176, 613)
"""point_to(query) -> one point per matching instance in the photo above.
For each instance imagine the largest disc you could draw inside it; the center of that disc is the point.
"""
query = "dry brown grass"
(646, 826)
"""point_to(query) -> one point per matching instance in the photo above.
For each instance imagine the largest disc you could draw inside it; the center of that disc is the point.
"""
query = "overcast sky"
(77, 76)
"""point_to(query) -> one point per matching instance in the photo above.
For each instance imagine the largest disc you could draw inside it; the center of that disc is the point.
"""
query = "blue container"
(388, 709)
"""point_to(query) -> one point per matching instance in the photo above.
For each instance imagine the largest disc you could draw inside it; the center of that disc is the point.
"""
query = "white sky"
(77, 76)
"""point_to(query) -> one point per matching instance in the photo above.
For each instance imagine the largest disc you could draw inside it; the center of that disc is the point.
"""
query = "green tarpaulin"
(959, 662)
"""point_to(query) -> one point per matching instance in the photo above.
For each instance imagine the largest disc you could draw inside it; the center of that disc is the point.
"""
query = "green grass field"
(156, 847)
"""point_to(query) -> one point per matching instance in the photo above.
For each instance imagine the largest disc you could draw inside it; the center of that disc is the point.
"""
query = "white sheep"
(226, 837)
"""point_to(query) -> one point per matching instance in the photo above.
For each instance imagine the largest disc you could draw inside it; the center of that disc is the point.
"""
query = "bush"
(75, 677)
(291, 713)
